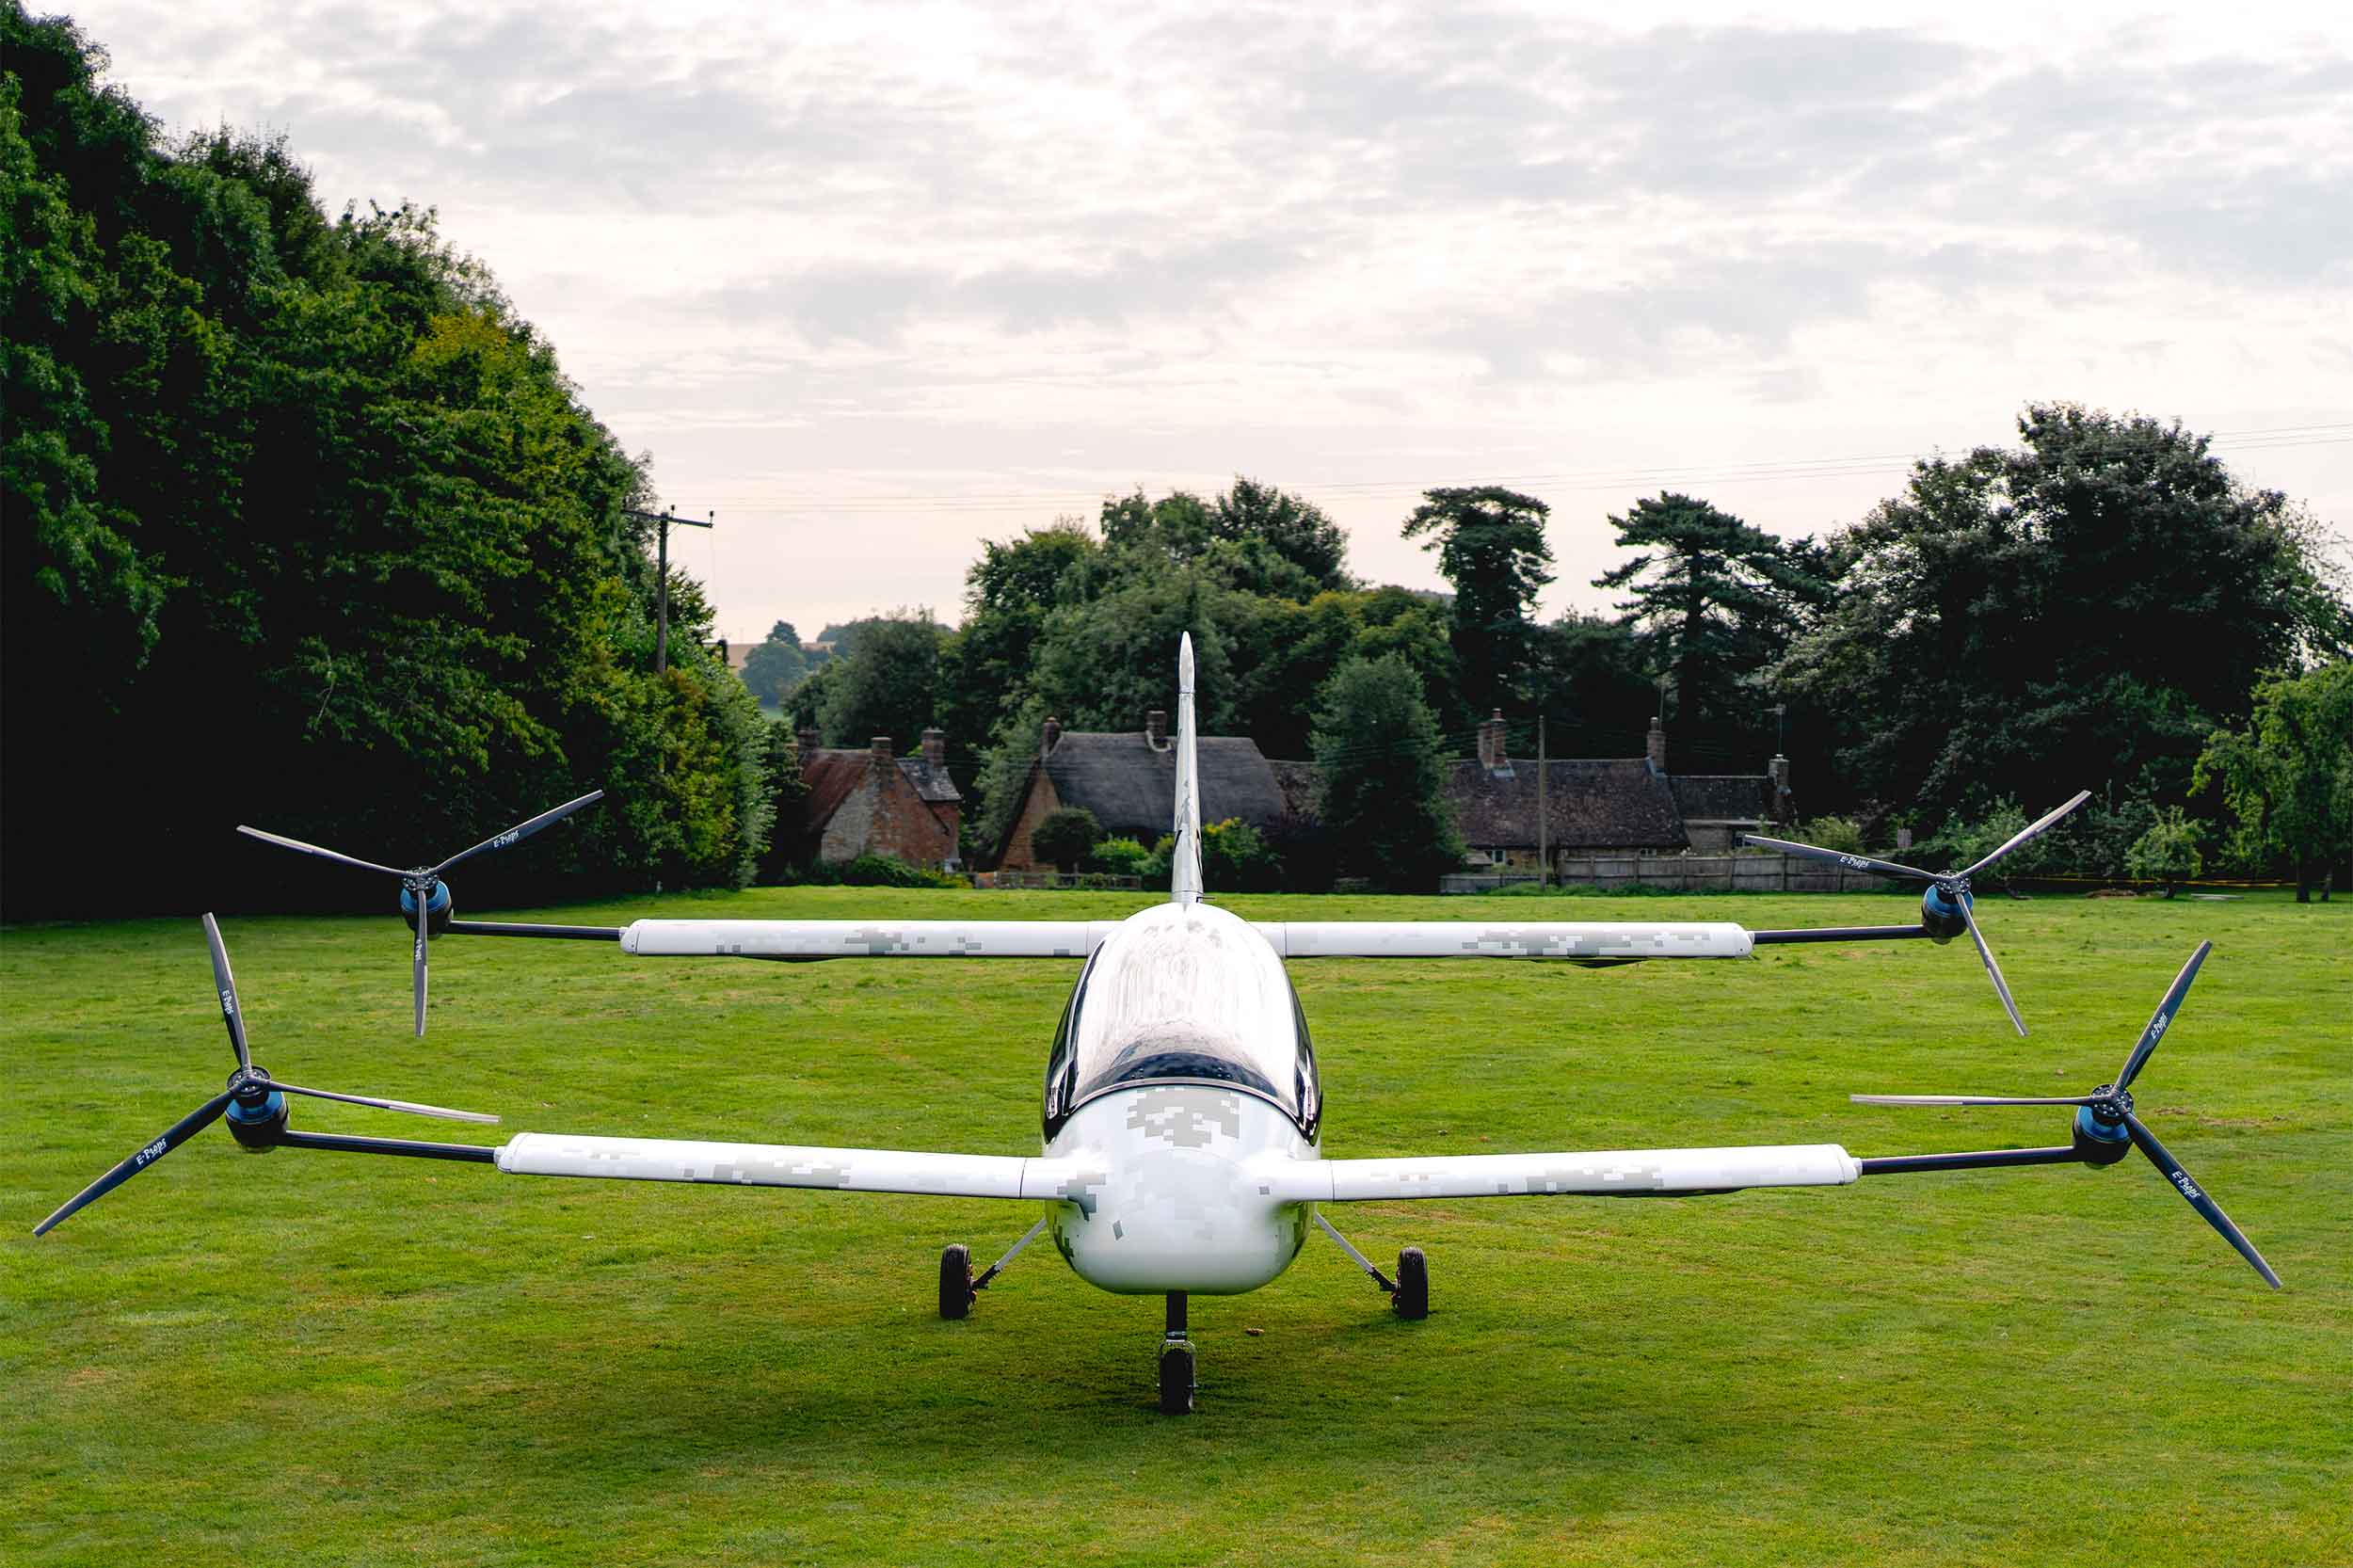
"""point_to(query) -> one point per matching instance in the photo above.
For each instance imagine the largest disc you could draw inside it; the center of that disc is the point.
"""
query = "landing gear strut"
(1177, 1382)
(1409, 1292)
(959, 1287)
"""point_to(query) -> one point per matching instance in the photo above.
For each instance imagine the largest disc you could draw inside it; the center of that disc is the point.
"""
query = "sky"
(875, 282)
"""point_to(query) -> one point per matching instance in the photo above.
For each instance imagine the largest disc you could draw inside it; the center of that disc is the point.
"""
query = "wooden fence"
(1683, 873)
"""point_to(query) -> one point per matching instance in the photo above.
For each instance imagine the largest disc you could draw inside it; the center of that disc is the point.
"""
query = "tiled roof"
(833, 774)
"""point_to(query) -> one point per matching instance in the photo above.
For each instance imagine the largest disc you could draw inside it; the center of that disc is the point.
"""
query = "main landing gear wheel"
(1411, 1299)
(1176, 1380)
(956, 1281)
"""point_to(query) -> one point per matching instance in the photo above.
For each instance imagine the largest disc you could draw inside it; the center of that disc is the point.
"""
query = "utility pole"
(1543, 812)
(662, 522)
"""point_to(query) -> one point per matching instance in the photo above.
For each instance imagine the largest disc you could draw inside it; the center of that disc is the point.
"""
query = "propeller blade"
(226, 984)
(1852, 862)
(177, 1133)
(521, 830)
(2174, 994)
(2197, 1198)
(1966, 1100)
(410, 1106)
(2001, 987)
(284, 842)
(422, 928)
(2030, 831)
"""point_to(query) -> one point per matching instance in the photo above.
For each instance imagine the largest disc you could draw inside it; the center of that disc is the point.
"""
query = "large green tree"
(2288, 775)
(1716, 603)
(1490, 543)
(774, 667)
(304, 526)
(2081, 609)
(888, 684)
(1382, 795)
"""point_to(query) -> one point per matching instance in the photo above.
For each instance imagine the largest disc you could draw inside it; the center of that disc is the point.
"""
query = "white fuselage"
(1182, 1073)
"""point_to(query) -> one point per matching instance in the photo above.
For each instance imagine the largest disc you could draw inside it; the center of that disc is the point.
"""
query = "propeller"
(254, 1101)
(2104, 1119)
(1944, 908)
(424, 898)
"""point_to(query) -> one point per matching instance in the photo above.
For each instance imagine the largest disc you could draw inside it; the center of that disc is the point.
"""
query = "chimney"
(808, 739)
(1491, 750)
(936, 747)
(1156, 729)
(1052, 736)
(882, 748)
(1656, 748)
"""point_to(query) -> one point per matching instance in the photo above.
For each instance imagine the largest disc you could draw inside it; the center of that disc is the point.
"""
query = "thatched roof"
(1614, 803)
(1132, 788)
(1722, 797)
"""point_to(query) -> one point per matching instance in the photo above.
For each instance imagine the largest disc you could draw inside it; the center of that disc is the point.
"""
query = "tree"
(2083, 610)
(777, 666)
(310, 490)
(1283, 544)
(1716, 603)
(2288, 775)
(1382, 796)
(1491, 546)
(1067, 837)
(787, 799)
(888, 684)
(1009, 593)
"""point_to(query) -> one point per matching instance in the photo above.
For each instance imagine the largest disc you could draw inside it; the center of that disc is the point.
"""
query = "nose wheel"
(1176, 1361)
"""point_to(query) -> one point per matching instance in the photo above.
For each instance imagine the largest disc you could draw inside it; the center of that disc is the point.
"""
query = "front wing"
(946, 1176)
(1611, 1173)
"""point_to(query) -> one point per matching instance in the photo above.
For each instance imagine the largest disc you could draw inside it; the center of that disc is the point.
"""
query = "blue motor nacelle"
(256, 1125)
(1940, 913)
(438, 908)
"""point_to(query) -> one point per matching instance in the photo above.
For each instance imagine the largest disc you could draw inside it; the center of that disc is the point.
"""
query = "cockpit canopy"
(1184, 994)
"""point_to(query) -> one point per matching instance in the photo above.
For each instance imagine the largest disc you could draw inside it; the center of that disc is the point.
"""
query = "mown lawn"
(328, 1358)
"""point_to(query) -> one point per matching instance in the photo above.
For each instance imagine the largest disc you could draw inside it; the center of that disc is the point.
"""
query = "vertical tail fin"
(1184, 869)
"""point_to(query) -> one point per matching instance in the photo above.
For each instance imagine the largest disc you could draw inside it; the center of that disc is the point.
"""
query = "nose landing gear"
(1176, 1361)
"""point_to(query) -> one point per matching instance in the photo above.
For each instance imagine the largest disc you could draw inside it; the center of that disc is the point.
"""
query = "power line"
(1861, 465)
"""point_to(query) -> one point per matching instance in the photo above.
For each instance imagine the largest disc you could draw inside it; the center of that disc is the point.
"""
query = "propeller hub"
(2110, 1105)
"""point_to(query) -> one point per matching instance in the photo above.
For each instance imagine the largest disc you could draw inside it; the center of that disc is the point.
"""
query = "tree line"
(306, 528)
(2103, 604)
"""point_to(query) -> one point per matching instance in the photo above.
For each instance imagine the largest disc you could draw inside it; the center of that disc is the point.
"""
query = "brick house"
(1128, 779)
(872, 802)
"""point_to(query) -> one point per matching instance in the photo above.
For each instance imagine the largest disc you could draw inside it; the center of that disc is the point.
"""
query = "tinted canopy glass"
(1189, 995)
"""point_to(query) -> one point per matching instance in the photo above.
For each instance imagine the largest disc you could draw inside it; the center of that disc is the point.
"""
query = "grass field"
(329, 1359)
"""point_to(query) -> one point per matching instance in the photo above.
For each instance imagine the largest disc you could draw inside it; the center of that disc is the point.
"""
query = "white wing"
(948, 1175)
(1608, 1173)
(806, 939)
(1589, 940)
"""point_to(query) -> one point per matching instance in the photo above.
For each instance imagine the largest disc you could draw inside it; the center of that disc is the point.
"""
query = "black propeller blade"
(423, 887)
(2105, 1115)
(1946, 908)
(250, 1091)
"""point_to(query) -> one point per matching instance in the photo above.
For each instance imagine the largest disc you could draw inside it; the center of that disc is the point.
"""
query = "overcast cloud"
(875, 281)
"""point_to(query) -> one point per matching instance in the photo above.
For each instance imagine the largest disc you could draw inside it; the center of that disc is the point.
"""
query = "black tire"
(1412, 1300)
(1177, 1380)
(956, 1282)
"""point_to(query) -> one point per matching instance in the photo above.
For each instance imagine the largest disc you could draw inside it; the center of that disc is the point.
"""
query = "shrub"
(1235, 859)
(1119, 857)
(1067, 836)
(2167, 852)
